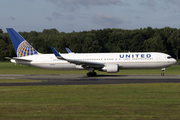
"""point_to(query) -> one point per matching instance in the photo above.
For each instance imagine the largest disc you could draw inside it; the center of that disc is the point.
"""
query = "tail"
(21, 46)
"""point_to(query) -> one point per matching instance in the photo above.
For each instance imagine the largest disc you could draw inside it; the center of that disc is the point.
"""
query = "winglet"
(68, 50)
(57, 54)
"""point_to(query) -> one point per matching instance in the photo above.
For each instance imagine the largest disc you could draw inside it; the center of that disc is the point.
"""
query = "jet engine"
(111, 68)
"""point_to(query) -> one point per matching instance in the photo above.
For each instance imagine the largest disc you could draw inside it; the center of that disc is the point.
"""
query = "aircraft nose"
(173, 61)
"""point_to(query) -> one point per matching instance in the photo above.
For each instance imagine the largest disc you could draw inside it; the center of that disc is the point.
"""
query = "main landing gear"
(91, 72)
(163, 69)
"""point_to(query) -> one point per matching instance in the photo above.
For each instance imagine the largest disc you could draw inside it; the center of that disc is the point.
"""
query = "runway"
(84, 80)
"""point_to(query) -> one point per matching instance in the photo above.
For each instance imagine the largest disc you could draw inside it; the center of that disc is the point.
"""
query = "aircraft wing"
(79, 62)
(17, 58)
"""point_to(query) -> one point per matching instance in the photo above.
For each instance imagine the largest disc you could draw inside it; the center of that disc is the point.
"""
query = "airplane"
(107, 62)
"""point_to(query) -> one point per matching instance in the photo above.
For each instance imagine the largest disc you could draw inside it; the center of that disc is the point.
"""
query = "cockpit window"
(169, 57)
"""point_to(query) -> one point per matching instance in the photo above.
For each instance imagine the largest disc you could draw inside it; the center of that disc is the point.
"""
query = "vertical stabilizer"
(21, 46)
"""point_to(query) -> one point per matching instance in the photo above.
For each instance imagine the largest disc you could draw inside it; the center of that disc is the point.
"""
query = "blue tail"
(21, 46)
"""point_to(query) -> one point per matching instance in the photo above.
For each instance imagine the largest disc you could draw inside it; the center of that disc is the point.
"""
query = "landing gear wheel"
(94, 74)
(163, 69)
(162, 74)
(90, 74)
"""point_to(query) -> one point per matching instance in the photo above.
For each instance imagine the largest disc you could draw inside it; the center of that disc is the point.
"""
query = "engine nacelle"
(111, 68)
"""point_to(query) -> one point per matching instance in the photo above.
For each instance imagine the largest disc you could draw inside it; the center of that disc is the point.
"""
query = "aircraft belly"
(143, 65)
(55, 66)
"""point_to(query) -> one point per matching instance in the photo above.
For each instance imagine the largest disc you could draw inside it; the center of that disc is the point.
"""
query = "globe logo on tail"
(25, 49)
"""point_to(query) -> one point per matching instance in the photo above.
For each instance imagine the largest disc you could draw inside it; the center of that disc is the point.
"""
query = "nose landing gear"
(163, 70)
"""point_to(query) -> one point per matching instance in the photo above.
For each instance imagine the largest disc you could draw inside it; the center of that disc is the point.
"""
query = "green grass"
(155, 101)
(11, 68)
(17, 81)
(159, 101)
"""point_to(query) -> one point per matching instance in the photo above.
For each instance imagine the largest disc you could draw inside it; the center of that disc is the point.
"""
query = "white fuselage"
(143, 60)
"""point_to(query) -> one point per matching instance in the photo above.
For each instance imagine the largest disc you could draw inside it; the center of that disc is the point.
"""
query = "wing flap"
(86, 63)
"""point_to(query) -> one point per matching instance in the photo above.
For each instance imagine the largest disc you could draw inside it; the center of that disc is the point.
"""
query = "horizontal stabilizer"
(17, 58)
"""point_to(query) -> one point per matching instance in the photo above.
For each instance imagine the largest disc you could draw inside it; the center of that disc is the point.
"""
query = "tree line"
(166, 40)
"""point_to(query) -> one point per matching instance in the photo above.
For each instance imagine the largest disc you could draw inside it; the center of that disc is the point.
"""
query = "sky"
(85, 15)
